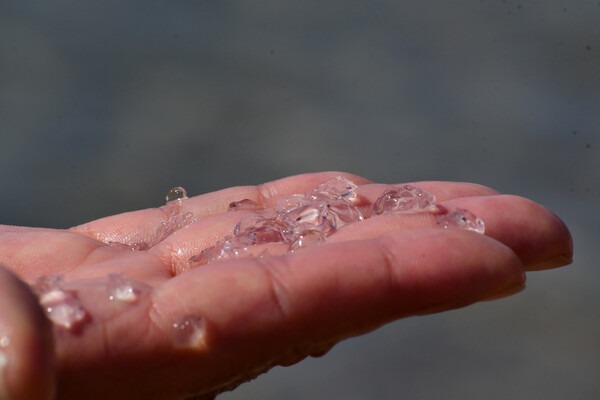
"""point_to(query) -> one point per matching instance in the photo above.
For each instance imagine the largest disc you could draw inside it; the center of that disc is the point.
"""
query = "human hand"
(242, 316)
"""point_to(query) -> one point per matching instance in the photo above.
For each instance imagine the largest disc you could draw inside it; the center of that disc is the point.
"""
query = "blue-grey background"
(104, 106)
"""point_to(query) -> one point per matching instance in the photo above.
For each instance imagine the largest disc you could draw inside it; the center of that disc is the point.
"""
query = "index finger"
(139, 226)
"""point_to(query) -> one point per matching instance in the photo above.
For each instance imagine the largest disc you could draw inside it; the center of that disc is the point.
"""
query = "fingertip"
(26, 343)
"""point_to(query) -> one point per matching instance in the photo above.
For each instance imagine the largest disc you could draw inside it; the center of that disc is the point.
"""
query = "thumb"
(26, 343)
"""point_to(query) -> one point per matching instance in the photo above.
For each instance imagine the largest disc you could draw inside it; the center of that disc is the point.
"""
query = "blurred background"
(104, 106)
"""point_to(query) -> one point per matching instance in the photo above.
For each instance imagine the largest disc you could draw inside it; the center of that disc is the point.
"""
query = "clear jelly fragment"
(226, 248)
(177, 193)
(405, 198)
(345, 212)
(188, 331)
(285, 204)
(307, 239)
(245, 205)
(174, 223)
(65, 310)
(314, 216)
(61, 306)
(337, 187)
(256, 229)
(119, 287)
(461, 218)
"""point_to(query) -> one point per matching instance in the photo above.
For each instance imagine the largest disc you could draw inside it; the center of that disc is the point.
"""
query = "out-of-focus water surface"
(104, 106)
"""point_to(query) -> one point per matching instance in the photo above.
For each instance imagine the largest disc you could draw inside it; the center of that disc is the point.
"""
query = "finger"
(534, 233)
(139, 225)
(264, 311)
(26, 345)
(537, 236)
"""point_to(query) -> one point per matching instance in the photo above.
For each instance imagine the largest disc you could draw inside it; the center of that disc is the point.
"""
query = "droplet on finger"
(177, 193)
(188, 331)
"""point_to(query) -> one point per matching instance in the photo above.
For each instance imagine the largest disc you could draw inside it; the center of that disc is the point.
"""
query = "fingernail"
(555, 262)
(4, 342)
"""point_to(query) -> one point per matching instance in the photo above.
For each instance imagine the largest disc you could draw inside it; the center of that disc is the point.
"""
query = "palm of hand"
(206, 329)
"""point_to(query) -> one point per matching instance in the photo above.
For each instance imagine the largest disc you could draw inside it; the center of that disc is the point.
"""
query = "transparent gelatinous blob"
(406, 198)
(177, 193)
(311, 217)
(345, 212)
(188, 331)
(119, 287)
(63, 308)
(461, 218)
(174, 223)
(337, 187)
(255, 230)
(307, 239)
(285, 204)
(245, 205)
(223, 249)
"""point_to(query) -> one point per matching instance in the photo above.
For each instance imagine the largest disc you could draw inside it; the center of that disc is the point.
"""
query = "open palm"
(201, 330)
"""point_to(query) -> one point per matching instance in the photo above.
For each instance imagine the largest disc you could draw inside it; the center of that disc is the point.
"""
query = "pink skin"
(256, 313)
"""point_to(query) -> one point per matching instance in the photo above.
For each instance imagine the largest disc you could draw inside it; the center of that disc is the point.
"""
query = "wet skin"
(255, 313)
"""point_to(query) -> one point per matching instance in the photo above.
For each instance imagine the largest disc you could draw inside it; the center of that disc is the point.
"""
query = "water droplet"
(307, 239)
(119, 287)
(177, 193)
(245, 205)
(406, 198)
(463, 219)
(188, 331)
(4, 341)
